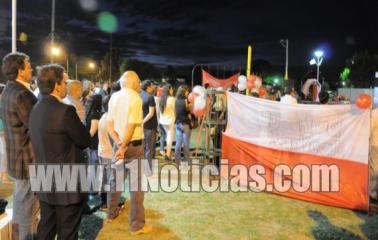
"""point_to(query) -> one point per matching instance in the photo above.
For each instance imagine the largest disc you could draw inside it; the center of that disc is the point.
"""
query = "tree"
(262, 68)
(104, 74)
(145, 70)
(362, 68)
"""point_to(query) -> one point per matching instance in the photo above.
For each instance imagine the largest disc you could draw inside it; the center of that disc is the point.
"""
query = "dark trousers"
(63, 221)
(149, 148)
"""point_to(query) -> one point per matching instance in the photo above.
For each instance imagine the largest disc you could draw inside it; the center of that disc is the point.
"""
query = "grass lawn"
(227, 216)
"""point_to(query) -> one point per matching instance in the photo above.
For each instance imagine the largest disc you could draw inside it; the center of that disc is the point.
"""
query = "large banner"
(216, 82)
(269, 133)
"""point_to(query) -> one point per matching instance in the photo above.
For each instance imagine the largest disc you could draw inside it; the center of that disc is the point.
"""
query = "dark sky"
(176, 32)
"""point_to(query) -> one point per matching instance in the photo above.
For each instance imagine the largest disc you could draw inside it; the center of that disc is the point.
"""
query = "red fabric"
(353, 186)
(215, 82)
(314, 92)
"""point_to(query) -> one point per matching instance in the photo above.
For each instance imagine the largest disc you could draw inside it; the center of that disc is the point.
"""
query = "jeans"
(183, 133)
(163, 136)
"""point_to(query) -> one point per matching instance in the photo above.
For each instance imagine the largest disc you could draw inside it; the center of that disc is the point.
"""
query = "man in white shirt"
(74, 92)
(125, 126)
(290, 96)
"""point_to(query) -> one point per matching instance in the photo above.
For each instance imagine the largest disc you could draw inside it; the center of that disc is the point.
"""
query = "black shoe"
(87, 210)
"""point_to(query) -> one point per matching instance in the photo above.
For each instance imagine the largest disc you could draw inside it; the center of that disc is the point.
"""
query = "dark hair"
(105, 103)
(95, 106)
(255, 94)
(13, 62)
(146, 84)
(116, 86)
(288, 90)
(164, 97)
(48, 76)
(181, 92)
(323, 97)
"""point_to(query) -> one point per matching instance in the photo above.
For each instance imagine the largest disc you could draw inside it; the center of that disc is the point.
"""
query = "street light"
(285, 44)
(92, 65)
(55, 51)
(318, 61)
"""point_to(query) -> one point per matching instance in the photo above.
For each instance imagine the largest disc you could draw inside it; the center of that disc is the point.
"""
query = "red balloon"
(250, 85)
(262, 91)
(192, 96)
(252, 78)
(199, 112)
(159, 92)
(363, 101)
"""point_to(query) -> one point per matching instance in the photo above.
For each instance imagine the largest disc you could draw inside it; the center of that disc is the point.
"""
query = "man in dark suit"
(17, 102)
(58, 137)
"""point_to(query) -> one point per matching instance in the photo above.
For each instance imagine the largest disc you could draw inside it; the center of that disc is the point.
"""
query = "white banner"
(338, 131)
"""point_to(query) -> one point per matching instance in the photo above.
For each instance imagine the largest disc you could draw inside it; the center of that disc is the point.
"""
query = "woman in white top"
(168, 117)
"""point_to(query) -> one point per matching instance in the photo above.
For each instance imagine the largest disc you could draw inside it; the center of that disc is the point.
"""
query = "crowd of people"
(63, 121)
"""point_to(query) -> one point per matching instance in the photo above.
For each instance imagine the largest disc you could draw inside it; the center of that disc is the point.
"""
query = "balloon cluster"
(253, 83)
(197, 97)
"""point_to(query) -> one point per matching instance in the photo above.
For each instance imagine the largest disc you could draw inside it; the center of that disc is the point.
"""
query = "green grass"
(227, 216)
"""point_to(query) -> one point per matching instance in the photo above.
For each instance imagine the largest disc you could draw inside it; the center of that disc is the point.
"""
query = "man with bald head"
(125, 125)
(74, 92)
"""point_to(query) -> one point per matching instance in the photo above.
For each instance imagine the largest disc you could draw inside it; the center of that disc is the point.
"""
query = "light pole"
(318, 61)
(285, 44)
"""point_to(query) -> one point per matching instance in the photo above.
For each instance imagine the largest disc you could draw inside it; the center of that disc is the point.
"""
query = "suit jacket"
(16, 104)
(58, 137)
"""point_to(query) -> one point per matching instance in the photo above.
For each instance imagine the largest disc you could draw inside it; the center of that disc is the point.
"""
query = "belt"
(136, 143)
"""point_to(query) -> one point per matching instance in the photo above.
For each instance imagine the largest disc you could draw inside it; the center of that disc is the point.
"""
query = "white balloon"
(199, 103)
(242, 79)
(242, 86)
(199, 90)
(258, 83)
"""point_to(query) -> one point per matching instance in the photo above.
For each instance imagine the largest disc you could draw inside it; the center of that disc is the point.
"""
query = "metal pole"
(14, 25)
(52, 30)
(287, 60)
(76, 72)
(110, 56)
(68, 67)
(317, 73)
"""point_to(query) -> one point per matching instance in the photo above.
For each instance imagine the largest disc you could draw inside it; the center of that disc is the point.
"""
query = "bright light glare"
(55, 51)
(318, 53)
(313, 61)
(91, 65)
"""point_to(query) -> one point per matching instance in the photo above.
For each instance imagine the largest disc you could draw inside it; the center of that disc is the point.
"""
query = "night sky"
(174, 32)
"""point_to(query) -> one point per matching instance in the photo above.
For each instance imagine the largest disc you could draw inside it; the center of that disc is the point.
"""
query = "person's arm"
(135, 119)
(75, 129)
(113, 134)
(94, 127)
(110, 122)
(151, 111)
(25, 102)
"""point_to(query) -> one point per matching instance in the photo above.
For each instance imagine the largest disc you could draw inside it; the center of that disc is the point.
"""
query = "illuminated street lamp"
(318, 59)
(92, 65)
(55, 51)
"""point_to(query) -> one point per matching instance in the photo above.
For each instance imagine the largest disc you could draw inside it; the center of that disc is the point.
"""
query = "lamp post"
(318, 59)
(285, 44)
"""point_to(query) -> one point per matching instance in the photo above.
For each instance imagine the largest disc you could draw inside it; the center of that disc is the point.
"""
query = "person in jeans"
(168, 117)
(149, 123)
(182, 124)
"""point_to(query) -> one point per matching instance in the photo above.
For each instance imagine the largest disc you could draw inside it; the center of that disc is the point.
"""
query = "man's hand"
(120, 154)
